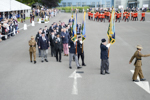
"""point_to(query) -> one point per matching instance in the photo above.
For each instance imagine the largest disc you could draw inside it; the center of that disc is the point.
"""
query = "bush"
(68, 9)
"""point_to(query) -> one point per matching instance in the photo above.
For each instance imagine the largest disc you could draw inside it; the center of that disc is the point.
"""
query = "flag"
(111, 28)
(74, 35)
(84, 28)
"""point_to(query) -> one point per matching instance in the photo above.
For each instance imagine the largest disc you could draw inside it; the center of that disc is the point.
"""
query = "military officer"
(32, 49)
(138, 63)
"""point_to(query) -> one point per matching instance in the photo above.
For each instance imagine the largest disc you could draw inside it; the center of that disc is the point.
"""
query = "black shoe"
(39, 56)
(46, 60)
(70, 67)
(142, 79)
(79, 67)
(135, 81)
(103, 73)
(83, 64)
(31, 61)
(51, 55)
(59, 60)
(107, 73)
(42, 61)
(34, 62)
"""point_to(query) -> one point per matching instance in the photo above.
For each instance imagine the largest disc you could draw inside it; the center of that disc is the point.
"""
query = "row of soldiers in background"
(8, 28)
(98, 16)
(58, 38)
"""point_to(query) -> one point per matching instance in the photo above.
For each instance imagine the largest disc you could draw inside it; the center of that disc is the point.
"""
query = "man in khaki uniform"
(32, 49)
(138, 64)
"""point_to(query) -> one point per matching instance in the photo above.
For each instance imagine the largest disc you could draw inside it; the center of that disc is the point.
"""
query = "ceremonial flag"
(84, 28)
(74, 35)
(111, 28)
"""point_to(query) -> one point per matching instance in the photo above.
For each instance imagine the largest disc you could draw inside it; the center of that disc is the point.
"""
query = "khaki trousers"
(137, 71)
(34, 55)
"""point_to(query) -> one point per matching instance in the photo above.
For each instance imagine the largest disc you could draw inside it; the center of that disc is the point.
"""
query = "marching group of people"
(126, 16)
(58, 37)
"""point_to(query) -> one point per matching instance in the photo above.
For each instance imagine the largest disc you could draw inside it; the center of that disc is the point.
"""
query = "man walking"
(43, 46)
(65, 39)
(80, 50)
(58, 47)
(32, 49)
(52, 44)
(138, 63)
(72, 52)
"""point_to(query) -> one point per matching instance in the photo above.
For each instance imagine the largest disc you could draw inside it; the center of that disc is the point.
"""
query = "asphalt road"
(22, 80)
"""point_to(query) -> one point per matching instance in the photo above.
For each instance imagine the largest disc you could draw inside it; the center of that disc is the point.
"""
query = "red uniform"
(142, 16)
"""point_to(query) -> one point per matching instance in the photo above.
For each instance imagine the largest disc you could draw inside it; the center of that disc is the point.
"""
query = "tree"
(48, 3)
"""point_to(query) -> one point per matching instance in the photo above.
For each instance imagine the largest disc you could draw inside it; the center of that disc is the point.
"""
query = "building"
(9, 6)
(91, 3)
(131, 3)
(106, 3)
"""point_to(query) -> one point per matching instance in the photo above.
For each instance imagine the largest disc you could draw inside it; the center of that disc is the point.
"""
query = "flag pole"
(76, 31)
(108, 38)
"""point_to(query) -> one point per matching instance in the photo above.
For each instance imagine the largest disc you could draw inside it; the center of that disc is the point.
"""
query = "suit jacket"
(66, 37)
(78, 28)
(43, 44)
(72, 46)
(79, 47)
(51, 29)
(47, 32)
(32, 45)
(37, 37)
(138, 55)
(58, 44)
(52, 41)
(104, 52)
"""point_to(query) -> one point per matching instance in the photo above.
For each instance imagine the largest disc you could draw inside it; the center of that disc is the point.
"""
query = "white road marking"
(142, 84)
(75, 76)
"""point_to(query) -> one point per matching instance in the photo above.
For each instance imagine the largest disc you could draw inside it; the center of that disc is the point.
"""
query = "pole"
(76, 32)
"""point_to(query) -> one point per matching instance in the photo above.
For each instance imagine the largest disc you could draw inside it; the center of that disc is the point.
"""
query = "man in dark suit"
(46, 31)
(51, 28)
(38, 35)
(44, 46)
(52, 44)
(71, 20)
(73, 53)
(78, 29)
(80, 50)
(104, 57)
(58, 47)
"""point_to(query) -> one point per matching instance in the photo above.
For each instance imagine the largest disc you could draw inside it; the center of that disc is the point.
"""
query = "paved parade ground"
(22, 80)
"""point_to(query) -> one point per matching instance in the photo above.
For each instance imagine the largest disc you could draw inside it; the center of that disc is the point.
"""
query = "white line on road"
(142, 84)
(75, 76)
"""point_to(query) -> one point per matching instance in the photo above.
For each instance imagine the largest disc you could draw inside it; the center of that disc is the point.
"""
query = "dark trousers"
(58, 51)
(89, 17)
(104, 66)
(82, 57)
(39, 52)
(53, 53)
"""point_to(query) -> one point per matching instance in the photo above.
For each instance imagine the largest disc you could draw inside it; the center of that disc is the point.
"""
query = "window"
(83, 4)
(108, 4)
(78, 4)
(64, 4)
(69, 3)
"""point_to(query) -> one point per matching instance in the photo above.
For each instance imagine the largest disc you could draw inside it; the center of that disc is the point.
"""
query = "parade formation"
(97, 46)
(119, 16)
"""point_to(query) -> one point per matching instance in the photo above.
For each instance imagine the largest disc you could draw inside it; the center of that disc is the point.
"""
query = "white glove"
(108, 45)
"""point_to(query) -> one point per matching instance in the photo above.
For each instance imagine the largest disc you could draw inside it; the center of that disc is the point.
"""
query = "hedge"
(68, 9)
